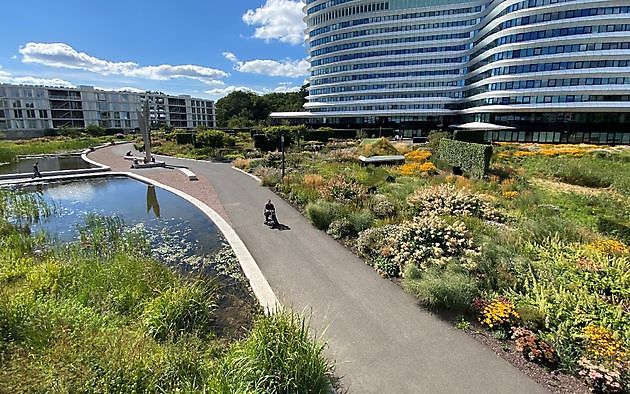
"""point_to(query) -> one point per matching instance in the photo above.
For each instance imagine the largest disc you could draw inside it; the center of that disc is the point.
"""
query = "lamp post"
(282, 148)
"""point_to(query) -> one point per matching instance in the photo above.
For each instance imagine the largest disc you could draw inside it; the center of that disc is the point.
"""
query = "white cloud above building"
(280, 20)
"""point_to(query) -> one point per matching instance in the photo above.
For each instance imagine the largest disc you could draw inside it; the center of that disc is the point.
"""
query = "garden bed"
(506, 249)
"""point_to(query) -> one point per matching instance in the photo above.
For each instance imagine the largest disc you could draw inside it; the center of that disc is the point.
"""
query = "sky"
(204, 48)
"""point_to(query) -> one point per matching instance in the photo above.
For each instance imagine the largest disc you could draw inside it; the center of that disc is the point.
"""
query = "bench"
(191, 175)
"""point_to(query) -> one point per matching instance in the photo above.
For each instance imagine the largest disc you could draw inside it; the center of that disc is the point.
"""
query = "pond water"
(59, 163)
(179, 233)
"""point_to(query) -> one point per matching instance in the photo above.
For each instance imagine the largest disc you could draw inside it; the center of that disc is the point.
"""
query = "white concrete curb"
(260, 286)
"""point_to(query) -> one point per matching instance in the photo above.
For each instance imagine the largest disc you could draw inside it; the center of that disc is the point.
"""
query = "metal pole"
(282, 148)
(147, 132)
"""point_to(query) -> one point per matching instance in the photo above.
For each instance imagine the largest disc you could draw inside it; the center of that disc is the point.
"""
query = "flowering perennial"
(499, 312)
(448, 200)
(609, 246)
(343, 190)
(429, 240)
(418, 155)
(602, 344)
(533, 348)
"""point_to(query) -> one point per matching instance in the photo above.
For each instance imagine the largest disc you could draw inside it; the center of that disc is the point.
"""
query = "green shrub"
(322, 213)
(361, 220)
(382, 206)
(437, 287)
(434, 139)
(180, 310)
(376, 242)
(268, 176)
(277, 357)
(387, 267)
(213, 139)
(473, 159)
(341, 189)
(340, 228)
(95, 130)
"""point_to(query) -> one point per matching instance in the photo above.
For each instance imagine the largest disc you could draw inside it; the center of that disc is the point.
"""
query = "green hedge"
(474, 159)
(184, 138)
(213, 139)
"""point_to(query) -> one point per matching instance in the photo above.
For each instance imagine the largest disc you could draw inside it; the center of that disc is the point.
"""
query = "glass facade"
(548, 65)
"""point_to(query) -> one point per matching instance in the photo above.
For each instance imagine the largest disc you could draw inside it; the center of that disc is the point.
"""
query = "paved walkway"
(381, 341)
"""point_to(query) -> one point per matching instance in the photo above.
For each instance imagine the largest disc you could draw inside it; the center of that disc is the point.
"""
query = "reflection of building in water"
(152, 201)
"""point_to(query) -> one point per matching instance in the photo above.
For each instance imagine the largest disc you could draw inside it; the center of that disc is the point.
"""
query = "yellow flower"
(510, 194)
(418, 155)
(608, 246)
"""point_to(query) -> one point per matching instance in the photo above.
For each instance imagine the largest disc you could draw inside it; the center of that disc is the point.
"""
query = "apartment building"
(36, 108)
(556, 70)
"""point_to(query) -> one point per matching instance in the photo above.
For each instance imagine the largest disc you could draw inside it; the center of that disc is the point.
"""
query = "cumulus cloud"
(283, 87)
(280, 20)
(63, 55)
(6, 77)
(285, 68)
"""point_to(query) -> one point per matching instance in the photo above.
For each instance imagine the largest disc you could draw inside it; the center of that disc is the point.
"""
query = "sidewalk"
(380, 339)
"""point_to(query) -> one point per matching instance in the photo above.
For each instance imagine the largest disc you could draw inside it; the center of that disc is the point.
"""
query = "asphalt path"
(378, 336)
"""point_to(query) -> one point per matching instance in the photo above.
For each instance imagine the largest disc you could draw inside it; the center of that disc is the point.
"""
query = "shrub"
(313, 180)
(446, 199)
(440, 288)
(340, 228)
(382, 207)
(268, 176)
(376, 147)
(243, 164)
(418, 155)
(533, 348)
(213, 139)
(180, 310)
(277, 357)
(418, 168)
(472, 158)
(361, 220)
(340, 189)
(499, 312)
(434, 139)
(427, 241)
(377, 241)
(386, 267)
(600, 378)
(95, 130)
(183, 138)
(322, 213)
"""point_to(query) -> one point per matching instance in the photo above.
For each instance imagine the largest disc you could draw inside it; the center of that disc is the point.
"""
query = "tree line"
(246, 109)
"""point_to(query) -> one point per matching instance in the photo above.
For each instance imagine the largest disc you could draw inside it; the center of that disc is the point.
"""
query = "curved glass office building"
(556, 68)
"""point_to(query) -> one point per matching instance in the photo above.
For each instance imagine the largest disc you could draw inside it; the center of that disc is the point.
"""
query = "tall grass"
(99, 315)
(9, 150)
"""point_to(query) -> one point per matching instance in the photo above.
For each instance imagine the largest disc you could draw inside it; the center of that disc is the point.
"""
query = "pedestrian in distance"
(36, 173)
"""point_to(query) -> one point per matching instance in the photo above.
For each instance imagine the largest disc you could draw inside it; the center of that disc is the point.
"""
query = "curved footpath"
(379, 338)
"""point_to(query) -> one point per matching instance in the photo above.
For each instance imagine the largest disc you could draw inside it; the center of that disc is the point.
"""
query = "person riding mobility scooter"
(270, 214)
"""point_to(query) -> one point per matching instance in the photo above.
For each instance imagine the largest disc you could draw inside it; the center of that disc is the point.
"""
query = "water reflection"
(178, 232)
(152, 201)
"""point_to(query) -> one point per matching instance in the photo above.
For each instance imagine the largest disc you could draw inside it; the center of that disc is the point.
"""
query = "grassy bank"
(98, 315)
(9, 150)
(539, 246)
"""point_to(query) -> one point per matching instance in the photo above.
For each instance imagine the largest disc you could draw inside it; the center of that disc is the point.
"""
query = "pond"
(179, 233)
(58, 163)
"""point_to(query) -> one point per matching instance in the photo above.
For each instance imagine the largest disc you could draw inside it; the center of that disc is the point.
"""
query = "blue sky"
(205, 48)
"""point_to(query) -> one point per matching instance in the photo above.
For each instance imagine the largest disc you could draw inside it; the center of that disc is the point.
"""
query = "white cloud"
(230, 56)
(63, 55)
(285, 68)
(280, 20)
(6, 77)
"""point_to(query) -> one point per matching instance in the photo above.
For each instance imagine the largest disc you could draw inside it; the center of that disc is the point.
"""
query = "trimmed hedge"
(213, 139)
(474, 159)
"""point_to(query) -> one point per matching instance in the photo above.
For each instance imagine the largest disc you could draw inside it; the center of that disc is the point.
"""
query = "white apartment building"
(34, 108)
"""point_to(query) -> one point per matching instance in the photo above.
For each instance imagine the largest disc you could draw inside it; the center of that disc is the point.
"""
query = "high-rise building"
(556, 70)
(37, 108)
